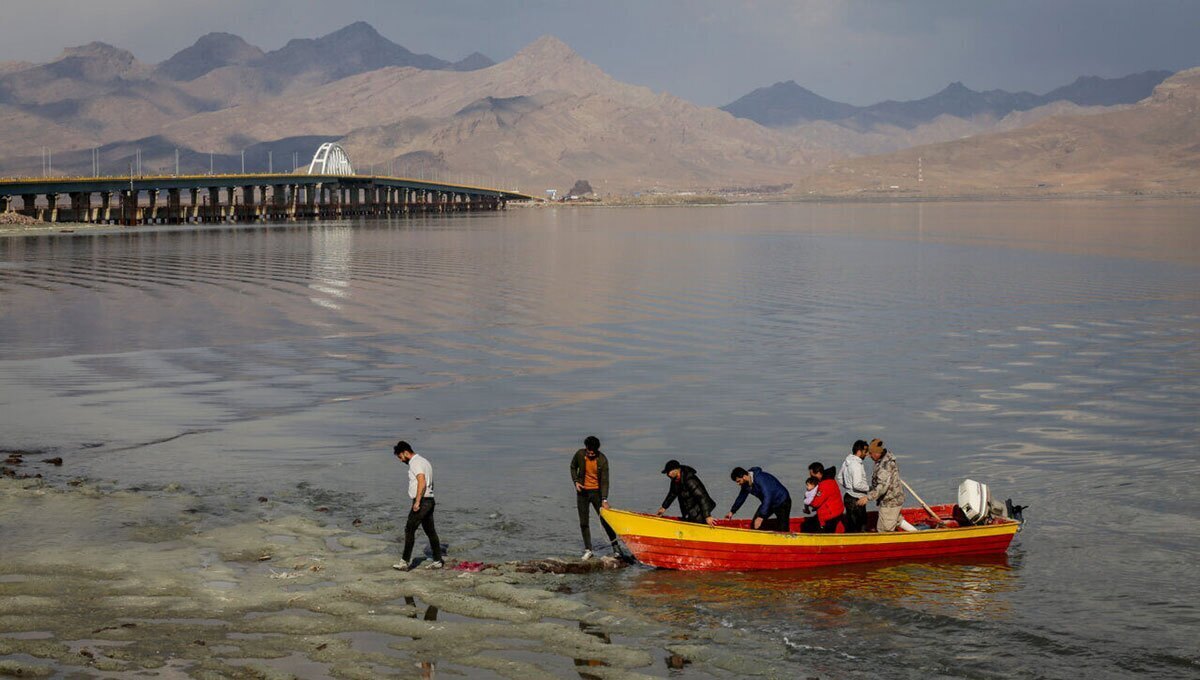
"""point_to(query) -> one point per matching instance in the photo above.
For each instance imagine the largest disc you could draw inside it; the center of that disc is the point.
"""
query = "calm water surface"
(1048, 349)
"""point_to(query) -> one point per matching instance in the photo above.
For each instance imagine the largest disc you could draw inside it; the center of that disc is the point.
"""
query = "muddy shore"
(98, 579)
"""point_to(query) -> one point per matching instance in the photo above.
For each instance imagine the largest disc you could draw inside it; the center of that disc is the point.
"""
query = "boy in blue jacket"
(776, 501)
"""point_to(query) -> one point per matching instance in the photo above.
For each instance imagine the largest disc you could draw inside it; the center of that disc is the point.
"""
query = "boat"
(731, 545)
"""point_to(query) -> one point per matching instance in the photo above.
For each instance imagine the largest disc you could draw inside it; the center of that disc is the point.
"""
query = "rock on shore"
(18, 218)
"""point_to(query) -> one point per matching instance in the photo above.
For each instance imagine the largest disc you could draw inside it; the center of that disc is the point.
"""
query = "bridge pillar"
(80, 204)
(151, 206)
(104, 212)
(51, 214)
(247, 211)
(29, 205)
(211, 207)
(4, 203)
(129, 207)
(310, 201)
(193, 208)
(173, 207)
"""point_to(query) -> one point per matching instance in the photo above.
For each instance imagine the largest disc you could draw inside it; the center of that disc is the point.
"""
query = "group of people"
(835, 500)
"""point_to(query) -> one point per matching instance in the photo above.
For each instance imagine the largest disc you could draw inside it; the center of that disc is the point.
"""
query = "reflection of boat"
(731, 545)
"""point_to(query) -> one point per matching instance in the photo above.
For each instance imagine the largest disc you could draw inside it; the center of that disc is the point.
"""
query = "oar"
(925, 505)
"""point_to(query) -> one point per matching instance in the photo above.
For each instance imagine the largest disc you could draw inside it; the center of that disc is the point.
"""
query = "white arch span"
(330, 159)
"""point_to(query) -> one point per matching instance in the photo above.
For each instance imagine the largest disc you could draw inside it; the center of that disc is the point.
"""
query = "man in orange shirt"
(589, 472)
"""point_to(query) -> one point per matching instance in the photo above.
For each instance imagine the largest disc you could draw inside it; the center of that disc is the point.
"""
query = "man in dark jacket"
(695, 505)
(589, 472)
(774, 496)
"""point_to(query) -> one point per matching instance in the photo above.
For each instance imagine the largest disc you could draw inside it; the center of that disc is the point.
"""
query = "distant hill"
(210, 52)
(786, 104)
(1149, 147)
(544, 118)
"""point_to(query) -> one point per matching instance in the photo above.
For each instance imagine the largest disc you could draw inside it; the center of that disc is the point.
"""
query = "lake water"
(1049, 349)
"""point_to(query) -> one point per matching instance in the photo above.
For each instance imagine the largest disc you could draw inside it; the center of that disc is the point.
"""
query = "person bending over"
(695, 505)
(774, 497)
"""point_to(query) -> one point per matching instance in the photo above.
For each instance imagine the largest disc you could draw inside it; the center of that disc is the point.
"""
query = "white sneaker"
(401, 566)
(587, 555)
(438, 564)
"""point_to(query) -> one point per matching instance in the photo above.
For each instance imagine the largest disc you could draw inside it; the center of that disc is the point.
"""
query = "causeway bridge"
(329, 190)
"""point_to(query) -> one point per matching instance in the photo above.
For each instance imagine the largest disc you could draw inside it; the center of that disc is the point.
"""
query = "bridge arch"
(330, 159)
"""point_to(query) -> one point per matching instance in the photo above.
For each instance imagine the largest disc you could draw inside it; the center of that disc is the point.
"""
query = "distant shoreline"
(50, 228)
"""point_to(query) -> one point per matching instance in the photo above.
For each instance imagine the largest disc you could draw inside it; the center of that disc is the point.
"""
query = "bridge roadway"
(179, 199)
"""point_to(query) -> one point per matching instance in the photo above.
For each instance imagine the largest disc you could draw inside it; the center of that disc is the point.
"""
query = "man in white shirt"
(853, 480)
(420, 490)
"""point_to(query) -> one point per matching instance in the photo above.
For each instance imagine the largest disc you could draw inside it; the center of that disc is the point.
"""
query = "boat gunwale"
(1004, 524)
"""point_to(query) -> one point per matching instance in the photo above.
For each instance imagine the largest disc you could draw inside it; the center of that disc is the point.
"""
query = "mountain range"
(545, 117)
(786, 103)
(1151, 147)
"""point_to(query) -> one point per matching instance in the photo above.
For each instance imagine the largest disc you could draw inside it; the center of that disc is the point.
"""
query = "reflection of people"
(592, 663)
(886, 489)
(695, 505)
(420, 490)
(589, 472)
(853, 480)
(773, 495)
(827, 500)
(431, 614)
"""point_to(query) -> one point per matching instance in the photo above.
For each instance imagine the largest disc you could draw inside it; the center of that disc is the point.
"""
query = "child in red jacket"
(827, 501)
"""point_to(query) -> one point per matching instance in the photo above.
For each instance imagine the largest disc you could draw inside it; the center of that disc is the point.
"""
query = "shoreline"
(51, 228)
(140, 580)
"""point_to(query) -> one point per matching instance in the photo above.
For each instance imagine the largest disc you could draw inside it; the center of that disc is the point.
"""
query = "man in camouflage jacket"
(886, 489)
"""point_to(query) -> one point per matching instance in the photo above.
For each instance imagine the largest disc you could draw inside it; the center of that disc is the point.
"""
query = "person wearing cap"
(886, 489)
(774, 497)
(589, 473)
(853, 480)
(695, 505)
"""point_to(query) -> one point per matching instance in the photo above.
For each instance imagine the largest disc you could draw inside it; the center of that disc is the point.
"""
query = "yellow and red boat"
(670, 543)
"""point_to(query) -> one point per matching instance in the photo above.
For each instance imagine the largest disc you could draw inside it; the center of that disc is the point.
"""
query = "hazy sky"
(708, 51)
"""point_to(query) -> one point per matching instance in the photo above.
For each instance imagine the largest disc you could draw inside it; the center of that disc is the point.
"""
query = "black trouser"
(779, 519)
(423, 517)
(856, 515)
(582, 500)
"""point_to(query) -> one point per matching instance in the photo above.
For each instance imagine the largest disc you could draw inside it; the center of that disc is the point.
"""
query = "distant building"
(551, 194)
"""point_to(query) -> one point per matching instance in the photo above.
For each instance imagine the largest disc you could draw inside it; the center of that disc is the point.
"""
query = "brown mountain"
(544, 118)
(1150, 147)
(542, 115)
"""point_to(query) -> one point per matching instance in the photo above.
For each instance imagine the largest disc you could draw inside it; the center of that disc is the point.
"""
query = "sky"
(708, 51)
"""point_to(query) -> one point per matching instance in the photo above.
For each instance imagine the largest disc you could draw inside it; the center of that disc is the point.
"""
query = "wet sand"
(100, 579)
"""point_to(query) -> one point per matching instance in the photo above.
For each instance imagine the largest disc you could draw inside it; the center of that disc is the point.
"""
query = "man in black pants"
(420, 490)
(589, 472)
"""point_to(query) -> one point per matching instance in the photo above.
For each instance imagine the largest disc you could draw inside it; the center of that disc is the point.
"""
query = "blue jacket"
(765, 488)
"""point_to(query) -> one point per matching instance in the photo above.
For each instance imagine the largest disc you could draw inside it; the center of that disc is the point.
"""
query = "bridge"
(328, 190)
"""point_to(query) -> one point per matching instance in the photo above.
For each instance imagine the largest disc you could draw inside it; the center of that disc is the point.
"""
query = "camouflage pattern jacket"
(885, 483)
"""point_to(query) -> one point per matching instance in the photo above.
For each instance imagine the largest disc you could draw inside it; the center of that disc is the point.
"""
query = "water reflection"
(592, 663)
(964, 588)
(428, 666)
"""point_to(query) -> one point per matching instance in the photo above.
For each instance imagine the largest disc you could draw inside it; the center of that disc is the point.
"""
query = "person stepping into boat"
(775, 500)
(827, 501)
(886, 489)
(853, 480)
(589, 473)
(695, 505)
(420, 490)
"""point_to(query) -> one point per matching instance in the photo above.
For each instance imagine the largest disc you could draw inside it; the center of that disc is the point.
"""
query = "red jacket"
(828, 502)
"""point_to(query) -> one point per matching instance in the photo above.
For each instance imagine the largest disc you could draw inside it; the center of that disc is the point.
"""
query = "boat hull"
(674, 544)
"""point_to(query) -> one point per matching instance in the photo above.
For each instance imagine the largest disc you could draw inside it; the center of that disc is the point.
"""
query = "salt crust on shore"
(117, 581)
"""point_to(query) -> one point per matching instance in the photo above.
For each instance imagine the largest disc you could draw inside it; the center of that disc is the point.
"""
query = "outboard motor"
(977, 505)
